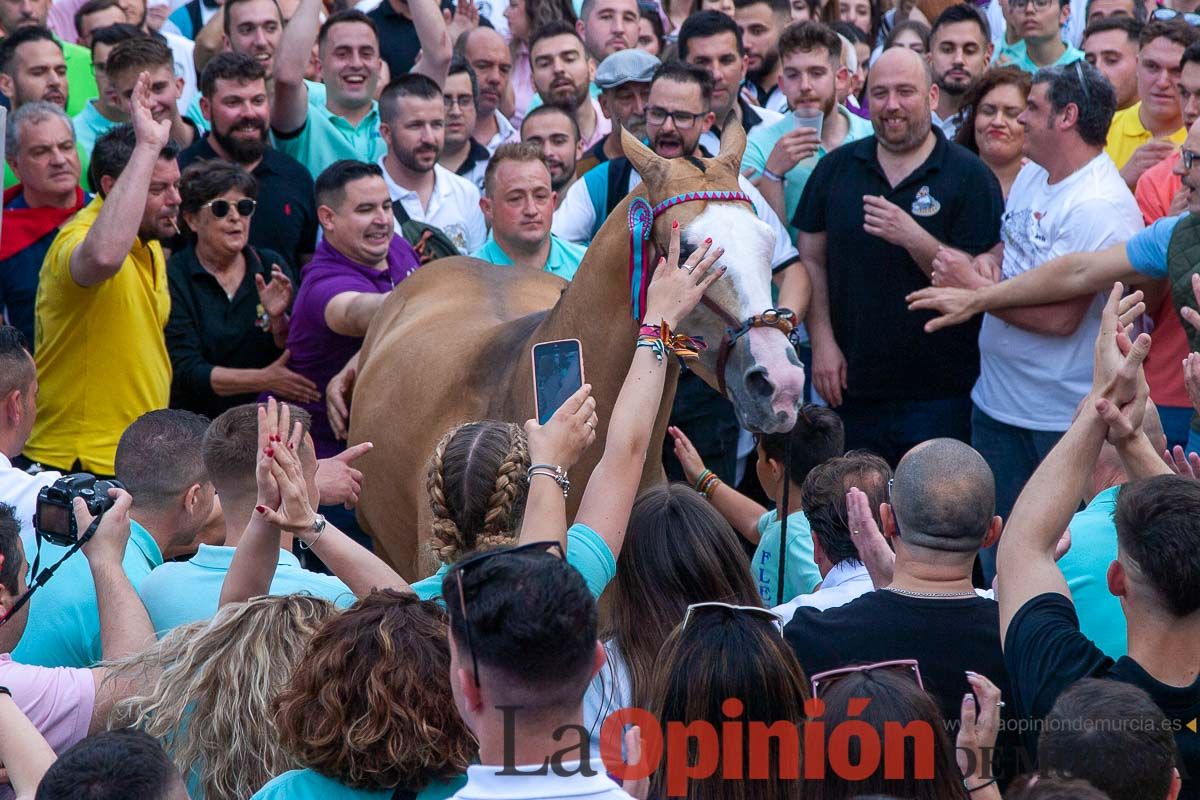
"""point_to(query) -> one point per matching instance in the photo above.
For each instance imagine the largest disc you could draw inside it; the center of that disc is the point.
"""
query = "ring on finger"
(590, 424)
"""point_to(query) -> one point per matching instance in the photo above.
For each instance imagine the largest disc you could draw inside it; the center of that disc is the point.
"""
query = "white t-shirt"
(575, 219)
(507, 783)
(1032, 380)
(453, 207)
(610, 691)
(19, 489)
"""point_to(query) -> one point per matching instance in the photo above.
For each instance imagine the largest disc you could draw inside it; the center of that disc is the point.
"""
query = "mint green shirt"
(1085, 566)
(64, 621)
(1015, 55)
(326, 138)
(306, 784)
(587, 552)
(801, 573)
(170, 606)
(762, 141)
(563, 260)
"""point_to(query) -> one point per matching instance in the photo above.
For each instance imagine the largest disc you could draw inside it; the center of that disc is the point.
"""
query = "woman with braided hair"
(479, 477)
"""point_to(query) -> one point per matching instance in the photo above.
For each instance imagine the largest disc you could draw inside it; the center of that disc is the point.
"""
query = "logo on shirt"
(925, 204)
(457, 234)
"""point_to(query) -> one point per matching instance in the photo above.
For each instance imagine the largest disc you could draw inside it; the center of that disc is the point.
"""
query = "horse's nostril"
(758, 384)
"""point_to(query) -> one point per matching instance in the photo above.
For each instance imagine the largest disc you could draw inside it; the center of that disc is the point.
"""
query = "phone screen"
(557, 374)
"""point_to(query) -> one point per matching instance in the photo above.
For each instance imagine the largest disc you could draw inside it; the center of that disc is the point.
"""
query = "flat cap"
(626, 66)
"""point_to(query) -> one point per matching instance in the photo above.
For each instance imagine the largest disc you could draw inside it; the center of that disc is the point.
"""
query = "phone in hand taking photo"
(557, 374)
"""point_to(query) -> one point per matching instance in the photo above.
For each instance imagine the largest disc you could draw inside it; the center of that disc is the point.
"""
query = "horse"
(451, 344)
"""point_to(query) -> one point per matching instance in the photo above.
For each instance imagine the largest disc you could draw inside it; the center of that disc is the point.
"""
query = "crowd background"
(982, 217)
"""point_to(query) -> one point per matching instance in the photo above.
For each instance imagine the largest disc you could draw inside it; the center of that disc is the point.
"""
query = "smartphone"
(557, 374)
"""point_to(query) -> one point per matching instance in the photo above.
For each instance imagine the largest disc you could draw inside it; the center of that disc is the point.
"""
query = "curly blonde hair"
(477, 483)
(209, 686)
(370, 704)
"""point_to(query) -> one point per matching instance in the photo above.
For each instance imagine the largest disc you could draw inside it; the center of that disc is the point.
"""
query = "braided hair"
(477, 484)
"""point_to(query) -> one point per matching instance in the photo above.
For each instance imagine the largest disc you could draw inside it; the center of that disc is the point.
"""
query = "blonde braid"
(446, 540)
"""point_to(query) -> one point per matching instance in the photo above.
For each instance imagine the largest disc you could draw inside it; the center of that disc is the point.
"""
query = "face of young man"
(677, 103)
(611, 25)
(1041, 24)
(255, 29)
(760, 38)
(520, 204)
(417, 133)
(1158, 77)
(240, 112)
(164, 90)
(361, 225)
(16, 14)
(37, 72)
(561, 72)
(1103, 9)
(459, 103)
(97, 20)
(809, 80)
(350, 64)
(554, 133)
(719, 57)
(1189, 93)
(958, 54)
(1115, 55)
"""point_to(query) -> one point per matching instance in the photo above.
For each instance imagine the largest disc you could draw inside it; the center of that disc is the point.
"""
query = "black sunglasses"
(220, 208)
(473, 562)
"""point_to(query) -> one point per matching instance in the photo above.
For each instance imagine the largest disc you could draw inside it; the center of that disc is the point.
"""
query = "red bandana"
(24, 226)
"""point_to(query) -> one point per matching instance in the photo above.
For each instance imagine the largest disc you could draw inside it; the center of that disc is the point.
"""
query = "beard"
(241, 150)
(673, 138)
(568, 101)
(953, 88)
(915, 133)
(408, 158)
(769, 62)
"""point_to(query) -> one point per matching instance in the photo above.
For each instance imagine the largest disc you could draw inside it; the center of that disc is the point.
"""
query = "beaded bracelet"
(701, 478)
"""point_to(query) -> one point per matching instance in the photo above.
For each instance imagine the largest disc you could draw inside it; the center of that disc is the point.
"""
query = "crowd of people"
(970, 570)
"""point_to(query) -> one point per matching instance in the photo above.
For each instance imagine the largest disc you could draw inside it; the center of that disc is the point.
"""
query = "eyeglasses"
(1165, 14)
(1040, 5)
(1187, 157)
(473, 562)
(220, 208)
(684, 120)
(1087, 94)
(463, 101)
(758, 611)
(906, 666)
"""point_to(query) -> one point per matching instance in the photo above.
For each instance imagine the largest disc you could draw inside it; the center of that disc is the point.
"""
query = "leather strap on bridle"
(782, 319)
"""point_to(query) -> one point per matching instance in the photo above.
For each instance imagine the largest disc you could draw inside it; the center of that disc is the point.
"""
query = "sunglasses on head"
(757, 611)
(825, 679)
(471, 563)
(220, 208)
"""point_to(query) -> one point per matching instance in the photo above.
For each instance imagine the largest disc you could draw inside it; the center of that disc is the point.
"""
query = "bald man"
(900, 195)
(488, 54)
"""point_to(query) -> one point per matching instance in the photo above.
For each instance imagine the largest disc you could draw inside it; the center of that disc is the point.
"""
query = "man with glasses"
(523, 649)
(1146, 133)
(1040, 23)
(235, 101)
(461, 154)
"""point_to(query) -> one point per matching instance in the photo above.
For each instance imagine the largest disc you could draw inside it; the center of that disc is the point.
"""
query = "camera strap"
(40, 578)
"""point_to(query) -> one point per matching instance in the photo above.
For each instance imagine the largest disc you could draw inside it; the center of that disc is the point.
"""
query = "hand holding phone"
(557, 374)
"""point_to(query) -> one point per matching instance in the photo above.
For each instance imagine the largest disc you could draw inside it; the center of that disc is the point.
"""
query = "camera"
(54, 518)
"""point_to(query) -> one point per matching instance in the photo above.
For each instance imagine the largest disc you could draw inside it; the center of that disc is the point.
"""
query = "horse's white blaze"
(749, 245)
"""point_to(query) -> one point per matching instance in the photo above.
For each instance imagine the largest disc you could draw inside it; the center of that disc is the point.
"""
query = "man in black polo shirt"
(234, 99)
(893, 384)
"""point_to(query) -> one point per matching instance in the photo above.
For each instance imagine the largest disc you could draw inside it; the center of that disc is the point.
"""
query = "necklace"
(908, 593)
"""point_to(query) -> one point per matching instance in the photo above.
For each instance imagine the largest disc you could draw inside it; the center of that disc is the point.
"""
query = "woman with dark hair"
(912, 34)
(678, 550)
(862, 14)
(991, 129)
(368, 710)
(525, 18)
(726, 662)
(229, 300)
(651, 36)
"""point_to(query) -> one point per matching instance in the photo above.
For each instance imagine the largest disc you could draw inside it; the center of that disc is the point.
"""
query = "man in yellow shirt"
(1148, 131)
(102, 300)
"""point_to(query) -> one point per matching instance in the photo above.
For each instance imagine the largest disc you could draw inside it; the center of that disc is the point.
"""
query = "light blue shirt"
(188, 591)
(326, 138)
(306, 784)
(1016, 55)
(587, 552)
(802, 575)
(563, 260)
(64, 620)
(1085, 566)
(89, 126)
(762, 141)
(1147, 249)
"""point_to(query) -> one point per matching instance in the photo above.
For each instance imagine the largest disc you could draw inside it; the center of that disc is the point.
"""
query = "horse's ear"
(733, 140)
(649, 164)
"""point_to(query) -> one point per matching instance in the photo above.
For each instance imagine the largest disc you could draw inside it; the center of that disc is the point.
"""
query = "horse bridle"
(641, 222)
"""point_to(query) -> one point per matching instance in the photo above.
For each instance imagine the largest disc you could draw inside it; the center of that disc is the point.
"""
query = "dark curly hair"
(369, 703)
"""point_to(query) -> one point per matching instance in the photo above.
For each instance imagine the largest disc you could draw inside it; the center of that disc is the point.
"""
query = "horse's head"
(759, 372)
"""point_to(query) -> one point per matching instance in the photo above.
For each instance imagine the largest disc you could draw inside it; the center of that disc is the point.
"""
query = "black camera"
(54, 518)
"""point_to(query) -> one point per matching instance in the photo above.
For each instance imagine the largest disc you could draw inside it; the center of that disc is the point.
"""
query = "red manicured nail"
(270, 451)
(675, 224)
(261, 509)
(708, 240)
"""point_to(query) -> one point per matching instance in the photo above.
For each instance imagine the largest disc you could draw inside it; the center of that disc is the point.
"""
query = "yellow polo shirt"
(1126, 134)
(101, 356)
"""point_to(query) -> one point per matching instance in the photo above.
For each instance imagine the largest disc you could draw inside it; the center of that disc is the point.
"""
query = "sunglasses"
(473, 562)
(1082, 81)
(758, 611)
(220, 208)
(1187, 157)
(1165, 14)
(906, 666)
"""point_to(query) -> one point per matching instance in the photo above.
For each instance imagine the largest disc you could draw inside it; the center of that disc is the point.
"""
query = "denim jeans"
(890, 428)
(1013, 454)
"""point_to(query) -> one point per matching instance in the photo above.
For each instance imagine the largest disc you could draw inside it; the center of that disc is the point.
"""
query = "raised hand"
(1184, 464)
(676, 288)
(281, 460)
(873, 549)
(689, 458)
(147, 130)
(980, 724)
(567, 434)
(1118, 361)
(466, 18)
(337, 481)
(275, 296)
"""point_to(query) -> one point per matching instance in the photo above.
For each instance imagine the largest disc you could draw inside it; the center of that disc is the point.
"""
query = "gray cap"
(626, 66)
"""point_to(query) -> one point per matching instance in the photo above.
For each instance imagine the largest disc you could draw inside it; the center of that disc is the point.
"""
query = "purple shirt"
(317, 352)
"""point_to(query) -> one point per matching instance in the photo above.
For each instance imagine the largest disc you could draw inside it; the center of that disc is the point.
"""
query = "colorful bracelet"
(660, 339)
(707, 484)
(701, 478)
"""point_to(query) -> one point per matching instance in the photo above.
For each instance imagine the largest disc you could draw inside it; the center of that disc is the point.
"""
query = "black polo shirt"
(398, 43)
(206, 329)
(956, 198)
(286, 218)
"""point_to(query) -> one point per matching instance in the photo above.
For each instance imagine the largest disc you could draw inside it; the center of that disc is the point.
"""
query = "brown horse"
(452, 343)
